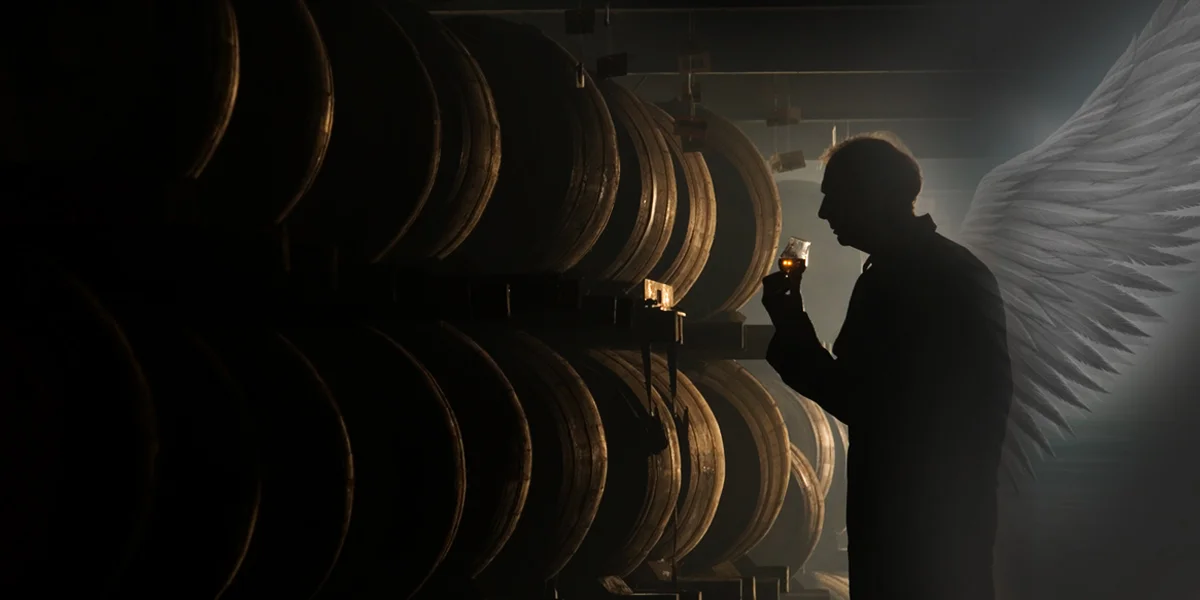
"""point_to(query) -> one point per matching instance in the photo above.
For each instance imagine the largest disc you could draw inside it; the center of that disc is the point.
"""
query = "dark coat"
(923, 380)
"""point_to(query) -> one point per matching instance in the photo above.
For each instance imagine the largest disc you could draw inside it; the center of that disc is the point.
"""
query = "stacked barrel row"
(150, 458)
(824, 441)
(364, 462)
(465, 145)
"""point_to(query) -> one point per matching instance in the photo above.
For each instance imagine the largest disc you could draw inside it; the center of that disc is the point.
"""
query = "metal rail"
(874, 120)
(724, 9)
(822, 73)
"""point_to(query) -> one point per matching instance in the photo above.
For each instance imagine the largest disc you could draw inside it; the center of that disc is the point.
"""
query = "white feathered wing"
(1073, 228)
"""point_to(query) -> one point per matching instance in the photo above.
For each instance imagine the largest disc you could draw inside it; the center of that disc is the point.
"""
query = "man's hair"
(885, 163)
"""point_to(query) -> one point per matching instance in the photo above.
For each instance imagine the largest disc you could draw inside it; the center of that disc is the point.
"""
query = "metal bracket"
(691, 93)
(580, 76)
(692, 132)
(783, 116)
(612, 65)
(782, 162)
(658, 324)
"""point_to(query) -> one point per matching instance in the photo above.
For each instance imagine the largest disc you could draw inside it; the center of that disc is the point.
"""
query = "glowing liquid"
(789, 265)
(795, 256)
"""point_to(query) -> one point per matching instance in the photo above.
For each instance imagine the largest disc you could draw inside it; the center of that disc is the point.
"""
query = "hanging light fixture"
(784, 116)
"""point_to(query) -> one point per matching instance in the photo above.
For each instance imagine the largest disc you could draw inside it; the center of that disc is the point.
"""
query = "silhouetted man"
(921, 377)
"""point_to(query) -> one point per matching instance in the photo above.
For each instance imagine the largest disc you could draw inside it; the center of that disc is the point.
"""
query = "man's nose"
(823, 210)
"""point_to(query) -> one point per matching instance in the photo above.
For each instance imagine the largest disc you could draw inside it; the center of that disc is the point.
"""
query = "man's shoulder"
(953, 258)
(942, 267)
(936, 260)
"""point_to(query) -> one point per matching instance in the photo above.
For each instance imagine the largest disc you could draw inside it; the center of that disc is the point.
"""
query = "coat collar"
(906, 235)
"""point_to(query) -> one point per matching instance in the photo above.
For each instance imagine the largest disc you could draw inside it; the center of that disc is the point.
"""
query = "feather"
(1032, 394)
(1113, 234)
(1128, 278)
(1075, 228)
(1058, 215)
(1014, 454)
(1119, 300)
(1053, 243)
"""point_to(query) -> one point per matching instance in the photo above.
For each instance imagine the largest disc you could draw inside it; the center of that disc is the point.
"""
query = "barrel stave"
(702, 463)
(209, 491)
(809, 427)
(496, 440)
(748, 223)
(690, 241)
(469, 162)
(643, 480)
(757, 454)
(558, 180)
(307, 467)
(385, 144)
(570, 461)
(281, 123)
(638, 231)
(409, 477)
(794, 536)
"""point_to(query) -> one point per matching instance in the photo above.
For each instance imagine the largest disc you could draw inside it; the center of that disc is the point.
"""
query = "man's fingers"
(776, 276)
(775, 283)
(780, 304)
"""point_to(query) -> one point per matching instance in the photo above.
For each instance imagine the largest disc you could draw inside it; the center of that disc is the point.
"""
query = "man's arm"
(877, 336)
(796, 353)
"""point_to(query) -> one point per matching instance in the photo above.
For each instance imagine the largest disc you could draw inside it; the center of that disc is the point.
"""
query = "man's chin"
(849, 242)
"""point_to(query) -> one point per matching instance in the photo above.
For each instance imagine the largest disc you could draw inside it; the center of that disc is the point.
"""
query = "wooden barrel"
(570, 461)
(470, 142)
(695, 224)
(307, 469)
(112, 95)
(78, 438)
(636, 235)
(558, 180)
(209, 485)
(828, 555)
(758, 463)
(281, 122)
(809, 428)
(749, 220)
(644, 479)
(702, 464)
(794, 536)
(838, 584)
(385, 145)
(409, 475)
(495, 436)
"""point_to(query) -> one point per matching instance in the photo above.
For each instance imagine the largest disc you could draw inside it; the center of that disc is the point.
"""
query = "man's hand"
(781, 297)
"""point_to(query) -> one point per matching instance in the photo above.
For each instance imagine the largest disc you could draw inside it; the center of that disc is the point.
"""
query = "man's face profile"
(843, 206)
(869, 188)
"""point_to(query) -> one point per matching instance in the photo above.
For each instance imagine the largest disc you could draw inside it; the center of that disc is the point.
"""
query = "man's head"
(871, 185)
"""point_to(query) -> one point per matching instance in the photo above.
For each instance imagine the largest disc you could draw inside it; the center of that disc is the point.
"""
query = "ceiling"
(944, 74)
